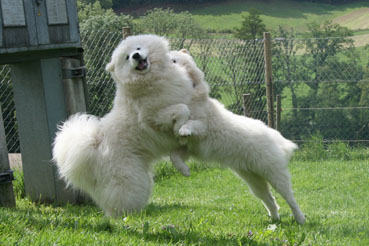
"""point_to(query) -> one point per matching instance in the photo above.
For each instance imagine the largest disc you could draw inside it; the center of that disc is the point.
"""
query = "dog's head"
(137, 57)
(184, 59)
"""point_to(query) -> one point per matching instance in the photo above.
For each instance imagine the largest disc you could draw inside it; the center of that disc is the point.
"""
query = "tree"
(331, 69)
(286, 64)
(92, 17)
(106, 4)
(252, 26)
(165, 22)
(324, 42)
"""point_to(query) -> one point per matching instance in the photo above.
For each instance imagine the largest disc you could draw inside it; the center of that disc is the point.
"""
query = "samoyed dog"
(256, 153)
(111, 158)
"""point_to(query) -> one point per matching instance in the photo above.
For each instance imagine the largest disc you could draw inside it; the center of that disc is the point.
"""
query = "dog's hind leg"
(260, 188)
(281, 181)
(178, 157)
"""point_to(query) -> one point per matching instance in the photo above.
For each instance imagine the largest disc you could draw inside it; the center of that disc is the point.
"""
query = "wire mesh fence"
(324, 83)
(8, 110)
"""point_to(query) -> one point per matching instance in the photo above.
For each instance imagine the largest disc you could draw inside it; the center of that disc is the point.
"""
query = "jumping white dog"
(256, 153)
(111, 158)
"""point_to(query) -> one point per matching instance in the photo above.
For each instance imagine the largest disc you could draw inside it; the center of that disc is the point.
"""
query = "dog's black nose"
(136, 56)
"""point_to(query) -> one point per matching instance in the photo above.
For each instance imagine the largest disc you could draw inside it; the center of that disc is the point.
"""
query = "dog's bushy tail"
(289, 147)
(75, 149)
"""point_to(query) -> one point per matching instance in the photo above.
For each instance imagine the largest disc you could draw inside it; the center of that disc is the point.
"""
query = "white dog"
(255, 152)
(111, 158)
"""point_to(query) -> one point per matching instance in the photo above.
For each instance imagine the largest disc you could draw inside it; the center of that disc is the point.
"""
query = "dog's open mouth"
(142, 65)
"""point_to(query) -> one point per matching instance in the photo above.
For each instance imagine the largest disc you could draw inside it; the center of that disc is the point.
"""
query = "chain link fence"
(324, 83)
(232, 67)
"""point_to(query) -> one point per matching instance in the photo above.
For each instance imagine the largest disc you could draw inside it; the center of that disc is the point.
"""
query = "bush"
(315, 149)
(165, 22)
(94, 17)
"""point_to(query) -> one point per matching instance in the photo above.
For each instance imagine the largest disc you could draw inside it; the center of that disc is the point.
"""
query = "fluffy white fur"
(255, 152)
(111, 158)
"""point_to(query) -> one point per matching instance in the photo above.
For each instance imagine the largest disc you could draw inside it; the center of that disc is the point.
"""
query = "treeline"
(121, 3)
(126, 3)
(330, 1)
(132, 3)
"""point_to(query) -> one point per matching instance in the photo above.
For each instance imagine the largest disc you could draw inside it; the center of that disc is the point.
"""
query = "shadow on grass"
(35, 219)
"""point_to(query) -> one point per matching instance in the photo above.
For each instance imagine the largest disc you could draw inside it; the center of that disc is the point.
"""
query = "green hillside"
(228, 15)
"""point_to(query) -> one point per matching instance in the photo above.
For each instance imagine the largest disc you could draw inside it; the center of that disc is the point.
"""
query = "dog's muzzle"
(142, 62)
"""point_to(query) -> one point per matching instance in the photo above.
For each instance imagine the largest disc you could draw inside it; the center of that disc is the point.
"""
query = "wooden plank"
(6, 190)
(56, 12)
(59, 34)
(73, 21)
(13, 13)
(31, 23)
(16, 37)
(40, 16)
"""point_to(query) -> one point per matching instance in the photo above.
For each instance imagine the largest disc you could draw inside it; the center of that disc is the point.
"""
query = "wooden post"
(6, 187)
(40, 104)
(278, 113)
(126, 31)
(247, 108)
(268, 77)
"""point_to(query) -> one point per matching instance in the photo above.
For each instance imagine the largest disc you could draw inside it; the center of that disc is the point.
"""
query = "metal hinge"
(72, 73)
(6, 177)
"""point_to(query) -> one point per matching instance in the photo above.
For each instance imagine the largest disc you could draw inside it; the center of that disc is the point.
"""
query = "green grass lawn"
(212, 207)
(296, 14)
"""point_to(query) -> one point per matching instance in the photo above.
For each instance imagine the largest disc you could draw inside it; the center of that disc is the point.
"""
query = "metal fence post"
(268, 77)
(74, 88)
(6, 176)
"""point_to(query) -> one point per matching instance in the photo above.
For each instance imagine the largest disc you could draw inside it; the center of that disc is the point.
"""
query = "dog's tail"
(75, 150)
(288, 147)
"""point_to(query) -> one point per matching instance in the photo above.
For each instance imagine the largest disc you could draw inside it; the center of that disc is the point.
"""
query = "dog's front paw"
(185, 131)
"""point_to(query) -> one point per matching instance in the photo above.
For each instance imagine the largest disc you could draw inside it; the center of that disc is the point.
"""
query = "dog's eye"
(174, 61)
(127, 57)
(138, 48)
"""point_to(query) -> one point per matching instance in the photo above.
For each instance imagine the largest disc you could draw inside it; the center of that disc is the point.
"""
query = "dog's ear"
(184, 51)
(110, 67)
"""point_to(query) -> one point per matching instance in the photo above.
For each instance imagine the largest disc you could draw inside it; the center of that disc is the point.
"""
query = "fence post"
(6, 176)
(247, 108)
(278, 113)
(126, 31)
(268, 77)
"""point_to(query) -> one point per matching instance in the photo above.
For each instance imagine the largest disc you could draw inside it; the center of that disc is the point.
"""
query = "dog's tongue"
(142, 65)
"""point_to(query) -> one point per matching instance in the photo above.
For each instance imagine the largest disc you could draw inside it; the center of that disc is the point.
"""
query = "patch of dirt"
(355, 16)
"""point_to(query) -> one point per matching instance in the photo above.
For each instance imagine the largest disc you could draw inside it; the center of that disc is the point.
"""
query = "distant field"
(228, 15)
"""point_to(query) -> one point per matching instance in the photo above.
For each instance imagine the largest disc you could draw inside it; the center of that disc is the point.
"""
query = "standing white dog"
(255, 152)
(111, 158)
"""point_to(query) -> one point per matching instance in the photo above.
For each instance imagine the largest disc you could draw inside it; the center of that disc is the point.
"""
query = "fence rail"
(323, 91)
